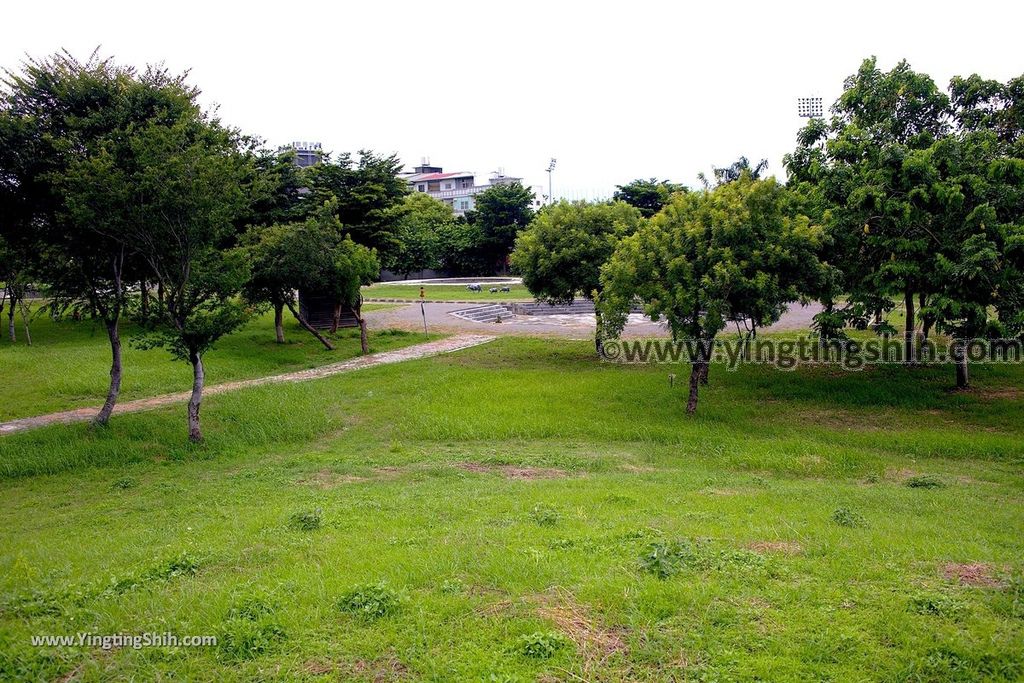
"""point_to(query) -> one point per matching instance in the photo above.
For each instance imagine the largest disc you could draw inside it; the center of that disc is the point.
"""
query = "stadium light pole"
(809, 107)
(551, 167)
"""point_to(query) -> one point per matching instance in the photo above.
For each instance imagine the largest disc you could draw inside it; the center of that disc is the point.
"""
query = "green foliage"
(852, 519)
(307, 520)
(367, 189)
(936, 604)
(737, 253)
(648, 196)
(371, 601)
(423, 220)
(541, 644)
(499, 213)
(665, 560)
(125, 483)
(925, 481)
(544, 515)
(561, 253)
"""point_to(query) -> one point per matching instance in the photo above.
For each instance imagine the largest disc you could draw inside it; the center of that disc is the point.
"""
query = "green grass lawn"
(521, 511)
(68, 364)
(445, 292)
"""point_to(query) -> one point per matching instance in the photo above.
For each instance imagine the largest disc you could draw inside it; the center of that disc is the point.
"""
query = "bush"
(305, 521)
(541, 645)
(667, 559)
(544, 515)
(925, 481)
(371, 601)
(848, 518)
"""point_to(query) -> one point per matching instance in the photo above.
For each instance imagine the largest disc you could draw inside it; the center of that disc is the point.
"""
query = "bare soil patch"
(971, 574)
(593, 640)
(326, 479)
(514, 471)
(783, 547)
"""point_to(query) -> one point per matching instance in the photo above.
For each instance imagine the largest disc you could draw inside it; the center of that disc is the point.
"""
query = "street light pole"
(551, 167)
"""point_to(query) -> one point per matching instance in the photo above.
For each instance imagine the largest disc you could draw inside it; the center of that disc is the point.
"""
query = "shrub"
(667, 559)
(371, 601)
(541, 645)
(305, 521)
(848, 518)
(243, 638)
(544, 515)
(936, 604)
(925, 481)
(125, 483)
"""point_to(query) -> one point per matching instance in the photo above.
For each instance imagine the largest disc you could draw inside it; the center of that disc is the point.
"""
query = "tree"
(561, 253)
(873, 176)
(189, 181)
(979, 197)
(421, 223)
(734, 171)
(461, 249)
(736, 251)
(501, 212)
(312, 256)
(649, 196)
(367, 189)
(64, 128)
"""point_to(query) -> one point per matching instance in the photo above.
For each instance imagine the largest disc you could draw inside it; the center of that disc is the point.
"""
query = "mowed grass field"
(445, 292)
(68, 364)
(521, 511)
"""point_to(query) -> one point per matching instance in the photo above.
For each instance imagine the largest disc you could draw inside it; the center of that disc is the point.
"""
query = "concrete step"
(484, 314)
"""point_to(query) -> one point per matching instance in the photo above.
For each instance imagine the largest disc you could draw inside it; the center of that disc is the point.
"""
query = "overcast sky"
(615, 91)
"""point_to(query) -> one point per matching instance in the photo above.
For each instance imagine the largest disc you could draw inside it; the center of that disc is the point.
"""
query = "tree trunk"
(24, 320)
(144, 299)
(11, 330)
(160, 297)
(598, 337)
(908, 328)
(960, 359)
(195, 434)
(698, 374)
(309, 328)
(364, 342)
(927, 321)
(336, 320)
(115, 374)
(279, 321)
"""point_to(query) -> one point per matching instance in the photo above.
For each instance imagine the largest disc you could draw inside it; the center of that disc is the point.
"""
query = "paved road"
(439, 319)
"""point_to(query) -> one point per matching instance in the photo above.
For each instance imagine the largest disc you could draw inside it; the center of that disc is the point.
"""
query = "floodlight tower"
(551, 167)
(808, 107)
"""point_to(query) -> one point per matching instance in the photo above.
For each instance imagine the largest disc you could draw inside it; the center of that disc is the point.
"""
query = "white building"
(457, 189)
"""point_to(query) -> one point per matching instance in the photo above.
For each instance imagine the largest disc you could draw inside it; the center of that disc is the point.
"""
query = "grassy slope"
(445, 293)
(769, 458)
(68, 364)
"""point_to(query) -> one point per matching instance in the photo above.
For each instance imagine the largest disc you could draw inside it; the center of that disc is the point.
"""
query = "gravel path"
(433, 348)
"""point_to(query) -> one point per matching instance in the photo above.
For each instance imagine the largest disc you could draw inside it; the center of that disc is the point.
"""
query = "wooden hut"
(318, 310)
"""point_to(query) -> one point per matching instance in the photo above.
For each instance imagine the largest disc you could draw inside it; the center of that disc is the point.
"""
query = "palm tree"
(734, 171)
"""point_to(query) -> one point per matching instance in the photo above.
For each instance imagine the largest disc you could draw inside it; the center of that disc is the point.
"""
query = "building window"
(421, 187)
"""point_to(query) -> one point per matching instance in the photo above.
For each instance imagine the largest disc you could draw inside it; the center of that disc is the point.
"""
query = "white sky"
(615, 91)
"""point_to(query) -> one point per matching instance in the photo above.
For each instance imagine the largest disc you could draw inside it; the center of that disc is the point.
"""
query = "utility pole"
(551, 167)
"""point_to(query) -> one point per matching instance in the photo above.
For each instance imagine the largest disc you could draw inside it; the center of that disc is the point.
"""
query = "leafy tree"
(872, 174)
(561, 253)
(422, 221)
(189, 181)
(734, 252)
(500, 212)
(461, 249)
(64, 126)
(367, 189)
(734, 171)
(311, 256)
(649, 196)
